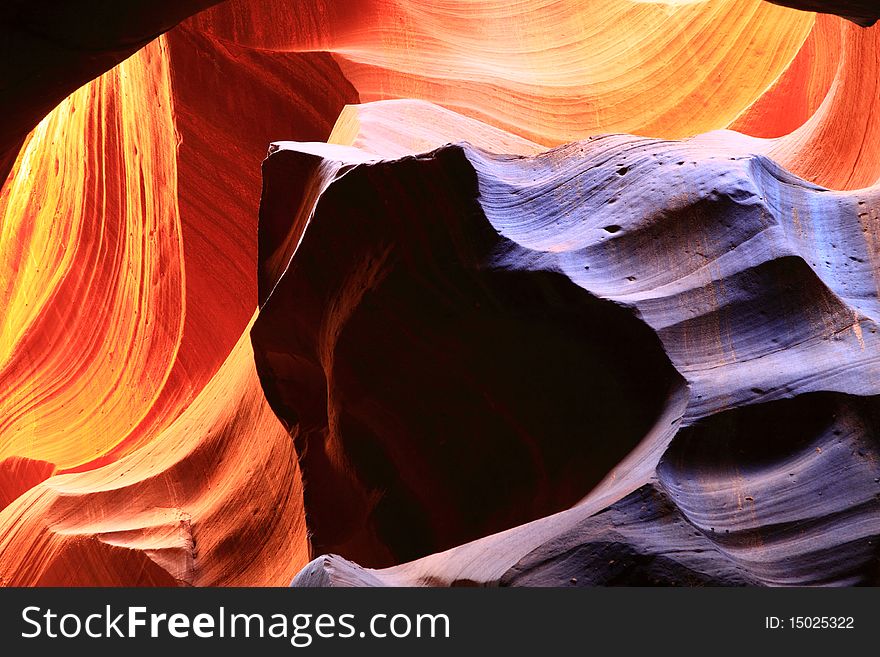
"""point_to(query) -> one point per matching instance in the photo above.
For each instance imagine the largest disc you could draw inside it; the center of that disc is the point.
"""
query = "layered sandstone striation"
(120, 215)
(52, 47)
(571, 294)
(758, 462)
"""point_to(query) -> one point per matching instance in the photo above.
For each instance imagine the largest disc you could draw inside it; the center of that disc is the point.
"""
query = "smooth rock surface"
(770, 477)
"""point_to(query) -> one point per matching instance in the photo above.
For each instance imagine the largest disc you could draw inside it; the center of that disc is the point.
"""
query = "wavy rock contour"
(713, 252)
(120, 215)
(592, 341)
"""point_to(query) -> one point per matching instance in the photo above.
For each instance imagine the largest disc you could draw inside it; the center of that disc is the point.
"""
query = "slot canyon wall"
(431, 294)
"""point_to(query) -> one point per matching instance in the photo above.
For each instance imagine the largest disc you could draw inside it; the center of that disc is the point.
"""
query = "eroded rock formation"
(782, 493)
(625, 360)
(52, 47)
(418, 375)
(771, 478)
(550, 76)
(128, 391)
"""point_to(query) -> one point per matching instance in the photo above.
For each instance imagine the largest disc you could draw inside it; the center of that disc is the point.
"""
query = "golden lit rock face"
(51, 48)
(136, 442)
(549, 73)
(796, 94)
(129, 242)
(837, 146)
(212, 499)
(92, 273)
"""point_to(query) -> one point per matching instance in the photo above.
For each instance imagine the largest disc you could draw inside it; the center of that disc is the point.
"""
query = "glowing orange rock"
(92, 275)
(17, 475)
(550, 76)
(394, 128)
(49, 49)
(837, 146)
(129, 401)
(214, 499)
(801, 89)
(135, 234)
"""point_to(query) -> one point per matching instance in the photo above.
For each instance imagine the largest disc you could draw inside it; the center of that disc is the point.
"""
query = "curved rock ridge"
(52, 47)
(213, 500)
(781, 493)
(759, 286)
(551, 74)
(417, 378)
(18, 475)
(765, 71)
(714, 252)
(123, 211)
(460, 338)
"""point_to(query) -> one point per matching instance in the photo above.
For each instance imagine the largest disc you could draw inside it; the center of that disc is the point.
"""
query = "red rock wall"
(486, 362)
